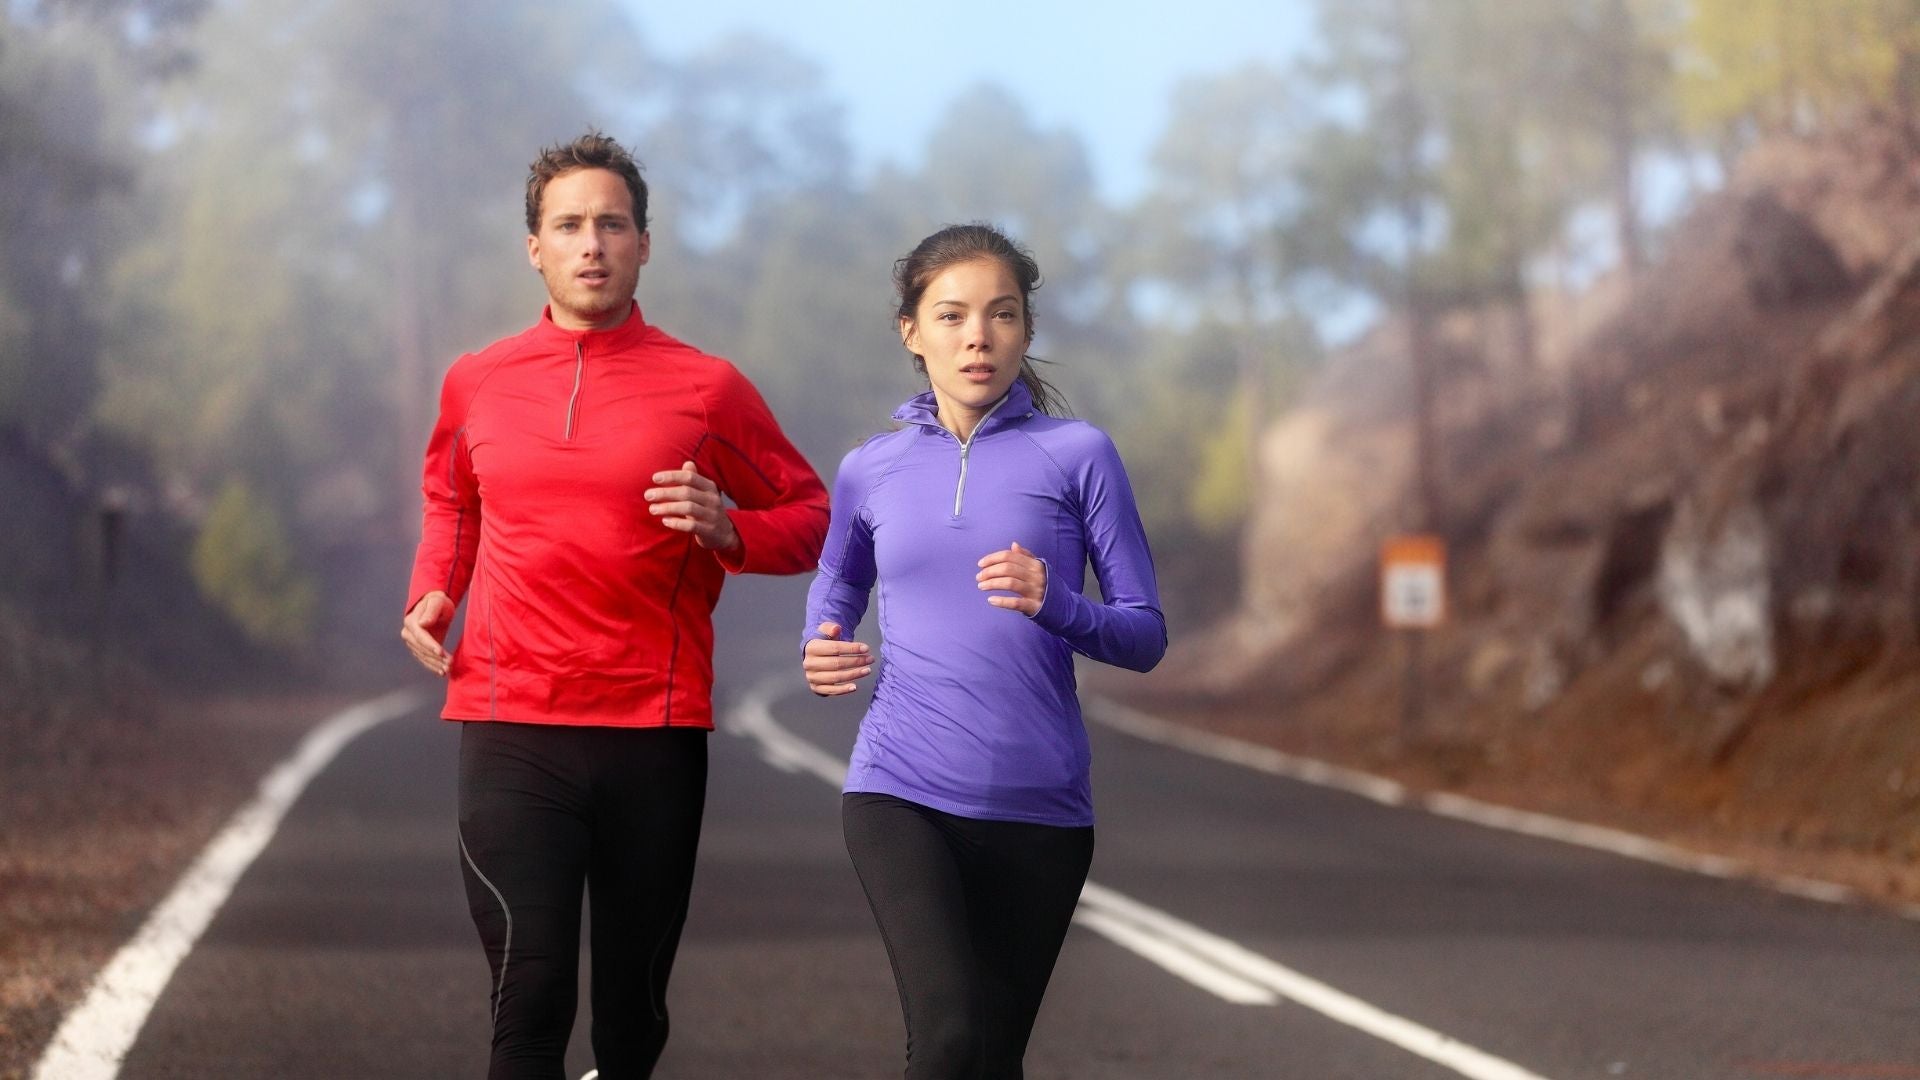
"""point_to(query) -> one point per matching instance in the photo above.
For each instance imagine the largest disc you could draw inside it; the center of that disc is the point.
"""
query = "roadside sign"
(1413, 582)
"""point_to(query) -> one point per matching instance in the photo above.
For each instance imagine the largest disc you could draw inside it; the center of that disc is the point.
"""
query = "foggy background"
(1618, 300)
(245, 239)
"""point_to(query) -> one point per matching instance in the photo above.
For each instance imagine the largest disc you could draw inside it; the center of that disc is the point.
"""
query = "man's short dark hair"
(590, 151)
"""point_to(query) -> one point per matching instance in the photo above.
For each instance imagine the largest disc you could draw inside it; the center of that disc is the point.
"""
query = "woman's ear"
(909, 335)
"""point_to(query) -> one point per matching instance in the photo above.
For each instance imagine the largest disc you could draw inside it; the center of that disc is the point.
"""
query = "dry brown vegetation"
(1740, 425)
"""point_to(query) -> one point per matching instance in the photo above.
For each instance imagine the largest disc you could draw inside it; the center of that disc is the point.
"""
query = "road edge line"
(95, 1037)
(1143, 725)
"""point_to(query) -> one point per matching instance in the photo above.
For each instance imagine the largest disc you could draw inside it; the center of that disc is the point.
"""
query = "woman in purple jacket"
(967, 807)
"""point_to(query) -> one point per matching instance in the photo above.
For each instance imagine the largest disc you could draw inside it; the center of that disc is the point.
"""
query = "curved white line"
(96, 1035)
(1220, 966)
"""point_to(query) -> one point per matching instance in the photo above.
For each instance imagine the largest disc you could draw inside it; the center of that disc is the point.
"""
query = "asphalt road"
(346, 952)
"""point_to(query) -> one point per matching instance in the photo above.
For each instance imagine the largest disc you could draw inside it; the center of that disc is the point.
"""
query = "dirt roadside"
(1792, 804)
(103, 808)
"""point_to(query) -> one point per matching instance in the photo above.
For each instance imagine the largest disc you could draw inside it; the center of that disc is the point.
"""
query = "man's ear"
(646, 246)
(533, 250)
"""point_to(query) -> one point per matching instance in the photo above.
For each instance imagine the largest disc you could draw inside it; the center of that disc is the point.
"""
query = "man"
(574, 485)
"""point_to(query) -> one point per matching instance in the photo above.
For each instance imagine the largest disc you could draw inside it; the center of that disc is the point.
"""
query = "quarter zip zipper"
(960, 489)
(579, 370)
(966, 444)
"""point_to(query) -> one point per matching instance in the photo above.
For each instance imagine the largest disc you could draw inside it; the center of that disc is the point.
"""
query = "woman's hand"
(1018, 571)
(692, 503)
(832, 665)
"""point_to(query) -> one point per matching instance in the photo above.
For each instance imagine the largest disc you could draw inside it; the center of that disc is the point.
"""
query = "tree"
(742, 123)
(1786, 65)
(332, 213)
(1225, 187)
(67, 71)
(1619, 94)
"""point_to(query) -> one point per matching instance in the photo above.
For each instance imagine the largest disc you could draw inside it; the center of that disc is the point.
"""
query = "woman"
(967, 808)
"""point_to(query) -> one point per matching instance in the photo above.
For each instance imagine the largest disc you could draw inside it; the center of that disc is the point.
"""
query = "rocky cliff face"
(1685, 539)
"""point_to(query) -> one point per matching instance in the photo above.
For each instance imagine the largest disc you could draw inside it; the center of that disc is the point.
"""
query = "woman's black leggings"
(545, 810)
(973, 913)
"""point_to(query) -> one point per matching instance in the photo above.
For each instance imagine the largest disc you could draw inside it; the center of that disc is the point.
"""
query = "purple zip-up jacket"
(974, 710)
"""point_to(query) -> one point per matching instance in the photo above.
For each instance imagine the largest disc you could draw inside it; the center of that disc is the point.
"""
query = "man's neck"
(569, 320)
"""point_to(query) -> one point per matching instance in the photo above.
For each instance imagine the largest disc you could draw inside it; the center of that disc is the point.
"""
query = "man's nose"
(593, 241)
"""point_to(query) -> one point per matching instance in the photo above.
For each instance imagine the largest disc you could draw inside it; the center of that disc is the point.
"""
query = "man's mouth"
(593, 276)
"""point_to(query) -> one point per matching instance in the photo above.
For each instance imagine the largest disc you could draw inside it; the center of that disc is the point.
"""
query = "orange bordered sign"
(1413, 582)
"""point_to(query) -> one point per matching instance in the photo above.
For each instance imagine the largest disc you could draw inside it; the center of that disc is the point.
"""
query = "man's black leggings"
(973, 913)
(544, 810)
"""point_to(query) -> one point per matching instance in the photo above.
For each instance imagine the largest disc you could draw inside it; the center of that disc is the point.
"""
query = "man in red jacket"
(576, 488)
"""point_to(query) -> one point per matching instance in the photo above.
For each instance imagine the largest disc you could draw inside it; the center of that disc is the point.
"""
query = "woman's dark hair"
(958, 244)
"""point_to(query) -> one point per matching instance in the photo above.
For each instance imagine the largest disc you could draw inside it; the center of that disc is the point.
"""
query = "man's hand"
(425, 627)
(832, 665)
(1018, 571)
(691, 503)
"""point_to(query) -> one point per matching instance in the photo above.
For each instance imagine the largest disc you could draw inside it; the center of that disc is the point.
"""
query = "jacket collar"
(627, 333)
(923, 410)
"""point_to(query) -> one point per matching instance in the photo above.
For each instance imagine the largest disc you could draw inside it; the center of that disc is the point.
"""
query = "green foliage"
(1186, 430)
(1226, 182)
(1223, 485)
(257, 266)
(245, 564)
(1789, 64)
(55, 182)
(986, 159)
(739, 125)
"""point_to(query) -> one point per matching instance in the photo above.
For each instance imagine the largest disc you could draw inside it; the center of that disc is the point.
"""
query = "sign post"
(1413, 600)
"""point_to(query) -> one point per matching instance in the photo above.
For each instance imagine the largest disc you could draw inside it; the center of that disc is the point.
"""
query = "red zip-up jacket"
(582, 607)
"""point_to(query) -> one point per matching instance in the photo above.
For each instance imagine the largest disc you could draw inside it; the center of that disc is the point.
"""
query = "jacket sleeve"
(841, 589)
(780, 506)
(1126, 628)
(450, 504)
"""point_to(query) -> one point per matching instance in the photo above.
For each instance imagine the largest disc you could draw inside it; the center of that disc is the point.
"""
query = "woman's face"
(970, 329)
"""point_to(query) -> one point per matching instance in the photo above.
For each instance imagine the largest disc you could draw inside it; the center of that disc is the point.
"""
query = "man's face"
(589, 249)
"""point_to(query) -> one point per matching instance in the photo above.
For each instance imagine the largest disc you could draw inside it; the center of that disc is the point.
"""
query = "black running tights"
(546, 810)
(973, 913)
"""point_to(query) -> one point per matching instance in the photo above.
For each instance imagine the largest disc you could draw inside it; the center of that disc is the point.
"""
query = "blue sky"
(1103, 71)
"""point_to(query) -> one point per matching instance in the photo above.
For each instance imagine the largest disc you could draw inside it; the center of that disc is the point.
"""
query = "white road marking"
(1218, 965)
(96, 1035)
(1459, 807)
(779, 747)
(1238, 961)
(1172, 956)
